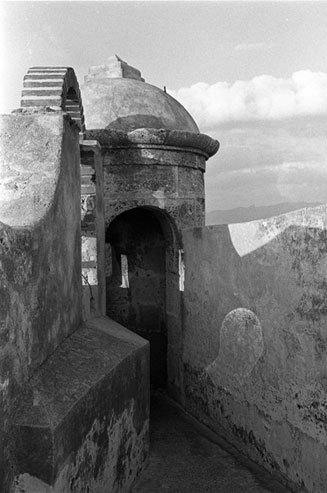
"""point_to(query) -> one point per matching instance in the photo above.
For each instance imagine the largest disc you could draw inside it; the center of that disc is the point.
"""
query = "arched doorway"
(141, 270)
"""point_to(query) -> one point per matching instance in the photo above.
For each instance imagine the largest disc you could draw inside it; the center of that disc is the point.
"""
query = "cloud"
(272, 135)
(253, 46)
(263, 163)
(287, 182)
(258, 144)
(262, 98)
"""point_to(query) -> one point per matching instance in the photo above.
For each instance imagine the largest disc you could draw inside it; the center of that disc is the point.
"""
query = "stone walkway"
(186, 458)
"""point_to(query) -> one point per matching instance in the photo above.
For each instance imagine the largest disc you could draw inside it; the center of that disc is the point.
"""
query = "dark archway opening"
(136, 282)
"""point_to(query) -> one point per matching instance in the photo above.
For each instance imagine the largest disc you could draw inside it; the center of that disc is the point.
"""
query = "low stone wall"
(83, 422)
(255, 340)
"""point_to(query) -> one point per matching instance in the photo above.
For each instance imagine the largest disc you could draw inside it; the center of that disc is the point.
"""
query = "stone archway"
(143, 281)
(54, 86)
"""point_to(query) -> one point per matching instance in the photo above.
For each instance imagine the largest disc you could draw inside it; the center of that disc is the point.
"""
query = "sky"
(252, 74)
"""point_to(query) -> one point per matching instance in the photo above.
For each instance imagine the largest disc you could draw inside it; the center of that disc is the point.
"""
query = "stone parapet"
(72, 431)
(40, 266)
(254, 340)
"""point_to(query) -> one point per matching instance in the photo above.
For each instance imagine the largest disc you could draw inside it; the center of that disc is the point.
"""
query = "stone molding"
(155, 138)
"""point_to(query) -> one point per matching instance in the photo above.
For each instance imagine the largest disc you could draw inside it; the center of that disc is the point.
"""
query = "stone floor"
(187, 458)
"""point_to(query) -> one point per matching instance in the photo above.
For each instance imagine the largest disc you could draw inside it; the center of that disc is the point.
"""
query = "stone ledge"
(155, 137)
(96, 381)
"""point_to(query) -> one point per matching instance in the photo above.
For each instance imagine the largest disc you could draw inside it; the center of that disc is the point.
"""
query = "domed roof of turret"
(116, 97)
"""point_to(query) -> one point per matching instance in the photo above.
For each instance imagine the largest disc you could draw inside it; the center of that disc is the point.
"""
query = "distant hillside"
(244, 214)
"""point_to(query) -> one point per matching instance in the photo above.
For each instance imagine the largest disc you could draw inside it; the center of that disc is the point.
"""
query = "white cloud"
(262, 98)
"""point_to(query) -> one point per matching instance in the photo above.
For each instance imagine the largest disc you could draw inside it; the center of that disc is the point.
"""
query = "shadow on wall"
(132, 122)
(255, 344)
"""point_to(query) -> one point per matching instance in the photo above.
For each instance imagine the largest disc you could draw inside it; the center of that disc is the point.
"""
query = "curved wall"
(40, 289)
(255, 340)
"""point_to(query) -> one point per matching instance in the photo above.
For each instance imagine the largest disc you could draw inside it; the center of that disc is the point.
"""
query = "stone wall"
(74, 399)
(40, 234)
(157, 168)
(93, 231)
(82, 425)
(39, 248)
(255, 340)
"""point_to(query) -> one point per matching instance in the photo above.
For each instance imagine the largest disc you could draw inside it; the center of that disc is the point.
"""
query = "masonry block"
(82, 424)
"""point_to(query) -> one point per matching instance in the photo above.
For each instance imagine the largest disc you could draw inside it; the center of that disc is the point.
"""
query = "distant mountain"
(244, 214)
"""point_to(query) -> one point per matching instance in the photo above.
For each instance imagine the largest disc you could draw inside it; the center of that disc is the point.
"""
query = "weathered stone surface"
(54, 86)
(40, 263)
(165, 179)
(29, 166)
(81, 419)
(126, 104)
(72, 431)
(154, 158)
(93, 230)
(255, 340)
(127, 182)
(40, 277)
(182, 213)
(190, 182)
(161, 138)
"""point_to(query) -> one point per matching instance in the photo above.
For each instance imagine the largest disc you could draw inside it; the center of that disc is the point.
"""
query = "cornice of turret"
(155, 138)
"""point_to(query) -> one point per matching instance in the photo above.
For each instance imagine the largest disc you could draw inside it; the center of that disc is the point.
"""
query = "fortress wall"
(255, 340)
(74, 399)
(40, 289)
(83, 422)
(40, 234)
(93, 230)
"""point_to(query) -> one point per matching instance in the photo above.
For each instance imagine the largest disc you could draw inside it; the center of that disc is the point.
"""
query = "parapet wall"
(82, 424)
(74, 399)
(40, 233)
(255, 340)
(40, 288)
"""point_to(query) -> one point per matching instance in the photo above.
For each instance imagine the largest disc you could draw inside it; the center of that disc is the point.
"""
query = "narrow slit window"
(181, 269)
(124, 271)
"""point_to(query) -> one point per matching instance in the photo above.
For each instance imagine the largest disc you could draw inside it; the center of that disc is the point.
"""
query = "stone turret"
(153, 152)
(153, 157)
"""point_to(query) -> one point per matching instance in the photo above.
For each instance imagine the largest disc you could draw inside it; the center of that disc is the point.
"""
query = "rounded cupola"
(116, 97)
